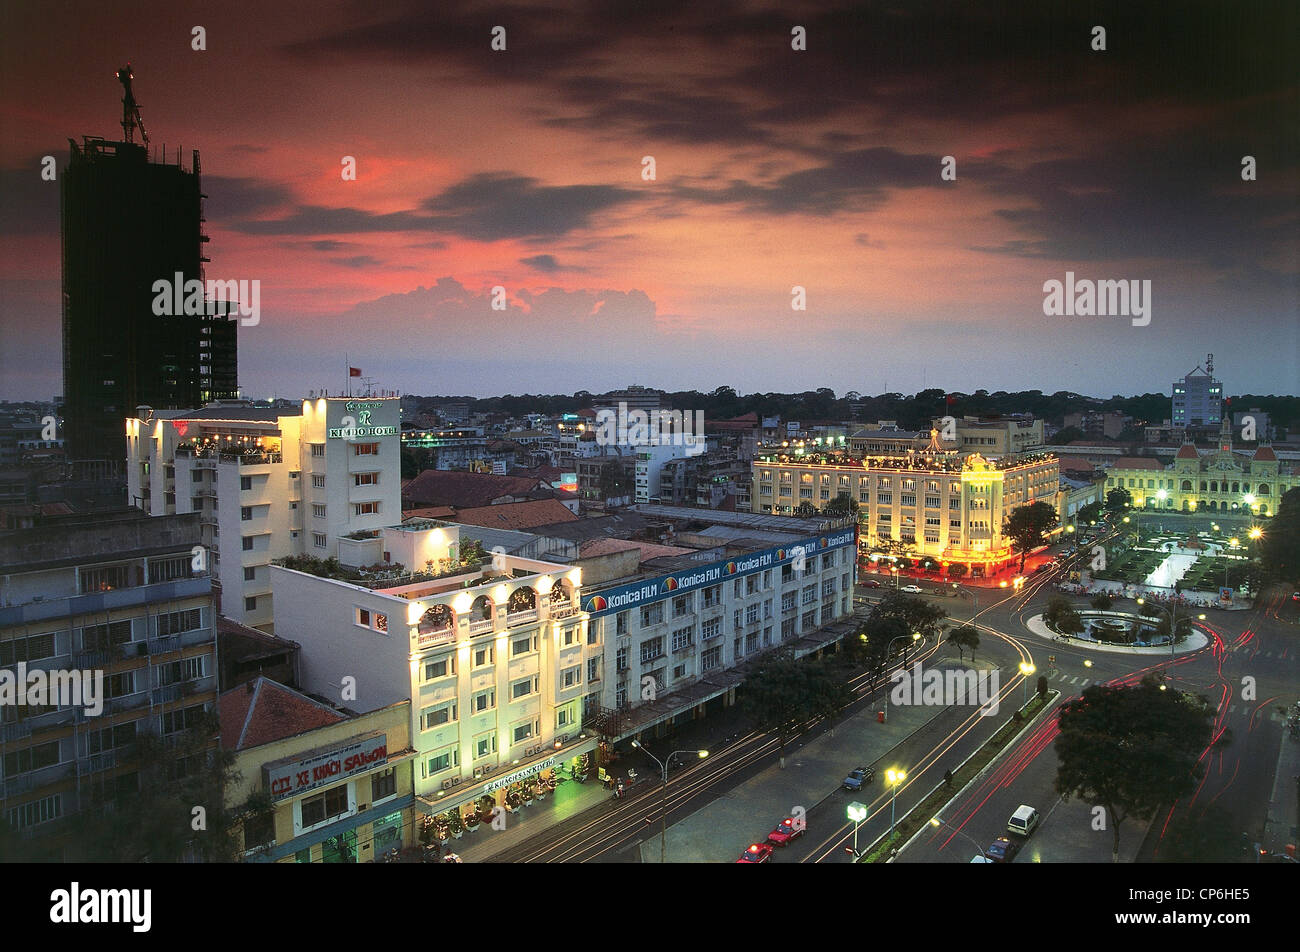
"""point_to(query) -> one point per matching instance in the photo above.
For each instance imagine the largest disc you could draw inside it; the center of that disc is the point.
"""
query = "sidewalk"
(720, 830)
(568, 800)
(1280, 826)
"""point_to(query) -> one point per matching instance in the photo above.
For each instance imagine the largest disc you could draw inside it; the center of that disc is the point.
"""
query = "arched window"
(437, 618)
(1262, 490)
(1187, 485)
(480, 609)
(521, 600)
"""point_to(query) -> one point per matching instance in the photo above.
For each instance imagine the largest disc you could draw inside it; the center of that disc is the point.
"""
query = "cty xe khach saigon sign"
(289, 778)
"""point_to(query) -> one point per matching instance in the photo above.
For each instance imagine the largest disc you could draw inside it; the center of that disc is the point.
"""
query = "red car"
(785, 831)
(757, 853)
(869, 583)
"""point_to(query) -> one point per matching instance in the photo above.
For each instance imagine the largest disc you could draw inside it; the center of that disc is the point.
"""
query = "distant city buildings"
(1197, 400)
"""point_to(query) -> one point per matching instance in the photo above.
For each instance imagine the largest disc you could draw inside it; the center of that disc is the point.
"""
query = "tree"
(1028, 527)
(1042, 685)
(781, 694)
(805, 509)
(1068, 435)
(916, 613)
(1279, 547)
(1069, 622)
(1118, 499)
(967, 636)
(1205, 837)
(842, 505)
(1102, 602)
(1131, 749)
(956, 570)
(1089, 513)
(1057, 605)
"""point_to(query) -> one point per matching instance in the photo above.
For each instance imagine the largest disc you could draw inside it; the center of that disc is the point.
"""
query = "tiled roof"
(1265, 454)
(516, 515)
(1187, 451)
(436, 487)
(263, 711)
(649, 550)
(1137, 462)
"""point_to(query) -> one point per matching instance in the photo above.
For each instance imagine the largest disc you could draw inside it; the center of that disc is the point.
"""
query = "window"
(571, 676)
(751, 642)
(809, 594)
(620, 659)
(318, 511)
(483, 701)
(317, 482)
(318, 540)
(196, 476)
(682, 605)
(563, 718)
(711, 629)
(521, 646)
(620, 623)
(325, 806)
(751, 584)
(442, 761)
(245, 483)
(165, 570)
(175, 622)
(523, 688)
(383, 784)
(809, 620)
(485, 745)
(652, 648)
(652, 615)
(713, 596)
(593, 634)
(365, 449)
(523, 732)
(365, 479)
(365, 508)
(683, 638)
(432, 717)
(318, 449)
(439, 668)
(570, 635)
(103, 579)
(751, 614)
(250, 603)
(31, 758)
(35, 647)
(35, 813)
(711, 659)
(593, 668)
(484, 656)
(173, 722)
(247, 542)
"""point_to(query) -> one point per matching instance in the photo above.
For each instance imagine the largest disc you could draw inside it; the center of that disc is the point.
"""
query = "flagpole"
(347, 371)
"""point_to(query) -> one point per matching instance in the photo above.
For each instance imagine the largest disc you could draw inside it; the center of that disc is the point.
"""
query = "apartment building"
(991, 436)
(268, 483)
(116, 597)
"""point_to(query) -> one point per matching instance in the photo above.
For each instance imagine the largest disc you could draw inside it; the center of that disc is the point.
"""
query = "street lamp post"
(895, 777)
(857, 813)
(975, 599)
(915, 636)
(663, 796)
(935, 821)
(1026, 670)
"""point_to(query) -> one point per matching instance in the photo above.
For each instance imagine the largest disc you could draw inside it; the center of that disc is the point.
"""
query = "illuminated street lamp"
(915, 636)
(663, 798)
(936, 822)
(894, 777)
(1026, 670)
(857, 813)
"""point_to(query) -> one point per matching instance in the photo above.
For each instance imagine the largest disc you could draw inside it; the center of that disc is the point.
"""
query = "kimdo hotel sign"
(289, 778)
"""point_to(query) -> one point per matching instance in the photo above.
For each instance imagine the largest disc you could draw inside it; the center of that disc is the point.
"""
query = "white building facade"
(269, 483)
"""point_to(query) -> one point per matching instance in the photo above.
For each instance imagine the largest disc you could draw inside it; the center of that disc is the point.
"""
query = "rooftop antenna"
(1209, 364)
(130, 108)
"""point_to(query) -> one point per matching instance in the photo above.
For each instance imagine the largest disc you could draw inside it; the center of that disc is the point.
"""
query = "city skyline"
(774, 168)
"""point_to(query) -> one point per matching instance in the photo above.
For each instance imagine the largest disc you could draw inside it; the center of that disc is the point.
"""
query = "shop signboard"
(292, 777)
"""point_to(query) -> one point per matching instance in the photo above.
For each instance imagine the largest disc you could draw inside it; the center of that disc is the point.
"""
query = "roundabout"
(1098, 623)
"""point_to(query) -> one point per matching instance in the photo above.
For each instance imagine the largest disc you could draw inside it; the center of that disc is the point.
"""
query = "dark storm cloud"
(486, 207)
(356, 261)
(234, 198)
(546, 263)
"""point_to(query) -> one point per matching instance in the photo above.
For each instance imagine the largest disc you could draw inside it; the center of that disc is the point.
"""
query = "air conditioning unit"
(455, 781)
(563, 738)
(488, 770)
(446, 785)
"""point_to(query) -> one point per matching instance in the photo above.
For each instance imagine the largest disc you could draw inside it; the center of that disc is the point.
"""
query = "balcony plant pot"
(471, 823)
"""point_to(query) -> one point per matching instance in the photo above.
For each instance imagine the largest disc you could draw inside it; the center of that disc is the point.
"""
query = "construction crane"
(130, 108)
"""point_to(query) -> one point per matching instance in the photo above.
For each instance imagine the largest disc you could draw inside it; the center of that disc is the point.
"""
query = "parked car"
(912, 589)
(859, 776)
(1023, 820)
(1295, 596)
(785, 831)
(870, 583)
(1002, 850)
(757, 853)
(980, 858)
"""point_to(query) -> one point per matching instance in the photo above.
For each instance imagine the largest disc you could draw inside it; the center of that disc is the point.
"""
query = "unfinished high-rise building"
(130, 219)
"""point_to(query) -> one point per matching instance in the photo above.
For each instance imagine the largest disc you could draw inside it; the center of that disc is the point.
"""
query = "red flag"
(354, 371)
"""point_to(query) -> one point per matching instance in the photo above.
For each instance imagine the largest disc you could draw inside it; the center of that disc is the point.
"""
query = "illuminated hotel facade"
(933, 502)
(268, 483)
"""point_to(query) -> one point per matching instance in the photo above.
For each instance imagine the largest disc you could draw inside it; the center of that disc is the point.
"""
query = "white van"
(1023, 820)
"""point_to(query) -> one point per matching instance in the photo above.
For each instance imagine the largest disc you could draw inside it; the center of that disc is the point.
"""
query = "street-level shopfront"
(464, 807)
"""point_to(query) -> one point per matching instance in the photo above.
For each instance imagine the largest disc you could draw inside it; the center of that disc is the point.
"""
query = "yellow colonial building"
(932, 502)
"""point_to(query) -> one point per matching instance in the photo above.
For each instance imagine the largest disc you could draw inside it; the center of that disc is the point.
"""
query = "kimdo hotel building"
(268, 483)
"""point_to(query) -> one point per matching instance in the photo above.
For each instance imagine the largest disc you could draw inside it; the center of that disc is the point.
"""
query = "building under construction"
(130, 218)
